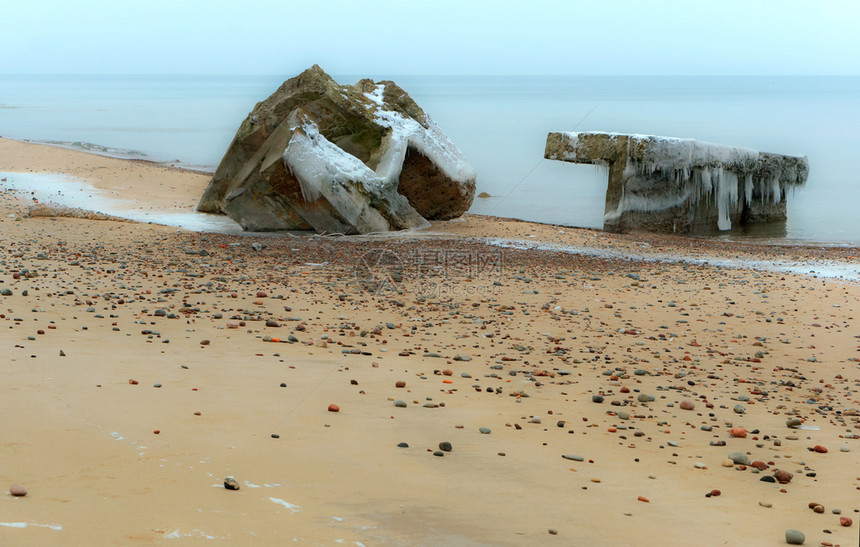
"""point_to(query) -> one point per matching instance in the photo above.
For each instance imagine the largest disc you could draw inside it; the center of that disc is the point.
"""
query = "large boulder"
(321, 156)
(666, 184)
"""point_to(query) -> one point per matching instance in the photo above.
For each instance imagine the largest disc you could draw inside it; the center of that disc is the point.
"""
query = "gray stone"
(339, 158)
(739, 458)
(671, 185)
(574, 457)
(485, 430)
(794, 537)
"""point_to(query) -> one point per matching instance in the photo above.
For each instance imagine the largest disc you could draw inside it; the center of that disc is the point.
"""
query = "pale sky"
(391, 37)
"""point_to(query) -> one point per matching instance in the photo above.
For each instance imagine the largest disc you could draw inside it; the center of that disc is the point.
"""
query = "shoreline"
(752, 243)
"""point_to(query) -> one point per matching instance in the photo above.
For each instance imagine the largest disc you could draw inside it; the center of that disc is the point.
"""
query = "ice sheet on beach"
(830, 269)
(26, 524)
(66, 191)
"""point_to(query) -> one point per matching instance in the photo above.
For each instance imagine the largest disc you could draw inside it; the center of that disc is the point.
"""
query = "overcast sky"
(382, 37)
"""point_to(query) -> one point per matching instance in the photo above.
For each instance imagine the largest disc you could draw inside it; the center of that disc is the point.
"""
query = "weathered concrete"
(664, 184)
(349, 159)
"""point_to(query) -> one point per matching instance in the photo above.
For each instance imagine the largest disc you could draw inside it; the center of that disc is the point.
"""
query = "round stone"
(739, 458)
(794, 537)
(402, 445)
(333, 408)
(400, 402)
(17, 490)
(400, 383)
(783, 477)
(686, 404)
(738, 432)
(597, 398)
(445, 446)
(485, 430)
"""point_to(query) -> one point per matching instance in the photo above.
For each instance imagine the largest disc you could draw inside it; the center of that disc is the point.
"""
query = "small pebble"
(17, 490)
(333, 408)
(485, 430)
(231, 484)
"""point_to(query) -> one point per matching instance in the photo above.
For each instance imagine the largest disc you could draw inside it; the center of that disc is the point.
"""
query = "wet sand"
(518, 339)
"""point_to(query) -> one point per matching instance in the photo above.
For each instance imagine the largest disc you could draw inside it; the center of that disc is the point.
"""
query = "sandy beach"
(591, 386)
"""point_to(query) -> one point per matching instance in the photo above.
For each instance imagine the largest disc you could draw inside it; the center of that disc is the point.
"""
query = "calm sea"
(500, 123)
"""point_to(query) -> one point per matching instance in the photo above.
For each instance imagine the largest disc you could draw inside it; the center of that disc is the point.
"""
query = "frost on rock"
(682, 185)
(350, 159)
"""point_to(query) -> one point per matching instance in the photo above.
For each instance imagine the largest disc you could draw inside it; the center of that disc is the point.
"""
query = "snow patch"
(288, 505)
(26, 524)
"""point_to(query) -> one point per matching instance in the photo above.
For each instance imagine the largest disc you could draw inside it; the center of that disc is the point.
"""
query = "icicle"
(776, 189)
(727, 195)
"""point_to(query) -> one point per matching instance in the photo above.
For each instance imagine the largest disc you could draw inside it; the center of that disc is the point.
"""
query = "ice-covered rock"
(349, 159)
(667, 184)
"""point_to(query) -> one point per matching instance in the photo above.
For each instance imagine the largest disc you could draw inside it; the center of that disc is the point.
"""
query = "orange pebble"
(643, 498)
